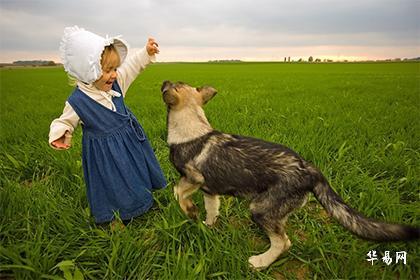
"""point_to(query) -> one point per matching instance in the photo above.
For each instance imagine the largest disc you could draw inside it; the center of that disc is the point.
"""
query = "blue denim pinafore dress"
(119, 165)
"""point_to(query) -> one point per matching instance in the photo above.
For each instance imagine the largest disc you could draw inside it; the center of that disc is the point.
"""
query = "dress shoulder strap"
(76, 100)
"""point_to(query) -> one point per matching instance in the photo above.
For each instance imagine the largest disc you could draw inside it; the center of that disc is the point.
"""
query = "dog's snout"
(165, 86)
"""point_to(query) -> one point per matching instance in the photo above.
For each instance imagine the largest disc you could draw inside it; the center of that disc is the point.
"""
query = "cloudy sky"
(201, 30)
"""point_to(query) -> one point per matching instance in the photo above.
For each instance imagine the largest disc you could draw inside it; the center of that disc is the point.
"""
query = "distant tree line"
(311, 59)
(225, 60)
(34, 63)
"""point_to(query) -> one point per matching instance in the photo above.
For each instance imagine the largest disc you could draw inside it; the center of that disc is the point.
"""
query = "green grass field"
(359, 123)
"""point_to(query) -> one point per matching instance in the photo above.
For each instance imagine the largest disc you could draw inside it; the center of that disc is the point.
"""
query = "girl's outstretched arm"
(135, 63)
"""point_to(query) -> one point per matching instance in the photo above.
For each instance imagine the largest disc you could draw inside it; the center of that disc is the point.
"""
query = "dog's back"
(244, 166)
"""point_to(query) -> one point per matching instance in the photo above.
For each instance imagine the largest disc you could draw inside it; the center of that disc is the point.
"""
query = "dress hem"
(127, 216)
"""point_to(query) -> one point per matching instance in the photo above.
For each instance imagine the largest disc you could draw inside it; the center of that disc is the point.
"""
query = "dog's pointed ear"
(207, 93)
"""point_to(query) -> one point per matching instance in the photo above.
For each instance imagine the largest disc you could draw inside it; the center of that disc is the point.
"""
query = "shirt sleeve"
(64, 125)
(133, 65)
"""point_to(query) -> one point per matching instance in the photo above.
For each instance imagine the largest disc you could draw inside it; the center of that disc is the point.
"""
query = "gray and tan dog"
(274, 178)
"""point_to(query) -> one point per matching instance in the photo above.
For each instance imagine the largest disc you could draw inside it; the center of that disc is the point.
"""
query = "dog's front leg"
(212, 204)
(193, 174)
(183, 192)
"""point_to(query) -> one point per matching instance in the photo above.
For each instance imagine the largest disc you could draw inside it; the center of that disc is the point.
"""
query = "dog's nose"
(165, 86)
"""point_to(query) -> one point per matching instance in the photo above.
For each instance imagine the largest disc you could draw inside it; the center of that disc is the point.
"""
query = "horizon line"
(285, 59)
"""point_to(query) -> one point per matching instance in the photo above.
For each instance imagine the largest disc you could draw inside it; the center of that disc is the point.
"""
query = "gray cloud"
(38, 25)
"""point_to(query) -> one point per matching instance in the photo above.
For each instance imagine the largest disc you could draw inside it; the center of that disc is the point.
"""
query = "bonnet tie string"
(108, 96)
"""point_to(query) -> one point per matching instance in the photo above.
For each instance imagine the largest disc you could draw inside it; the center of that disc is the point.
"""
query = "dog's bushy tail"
(357, 223)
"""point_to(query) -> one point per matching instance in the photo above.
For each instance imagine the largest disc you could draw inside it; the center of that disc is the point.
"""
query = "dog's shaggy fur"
(274, 178)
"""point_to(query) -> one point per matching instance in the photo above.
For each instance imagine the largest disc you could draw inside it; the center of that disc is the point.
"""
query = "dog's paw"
(210, 221)
(258, 262)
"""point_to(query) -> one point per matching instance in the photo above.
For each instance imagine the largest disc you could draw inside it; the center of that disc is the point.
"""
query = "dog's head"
(178, 95)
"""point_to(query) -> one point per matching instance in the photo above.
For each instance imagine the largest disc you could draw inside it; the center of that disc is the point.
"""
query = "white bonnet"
(81, 51)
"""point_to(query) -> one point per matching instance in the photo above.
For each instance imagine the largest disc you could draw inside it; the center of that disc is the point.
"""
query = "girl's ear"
(207, 93)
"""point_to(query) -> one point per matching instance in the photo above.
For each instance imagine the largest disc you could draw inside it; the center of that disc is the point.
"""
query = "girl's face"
(110, 61)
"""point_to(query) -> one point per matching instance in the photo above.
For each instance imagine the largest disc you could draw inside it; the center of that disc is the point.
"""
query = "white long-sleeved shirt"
(135, 63)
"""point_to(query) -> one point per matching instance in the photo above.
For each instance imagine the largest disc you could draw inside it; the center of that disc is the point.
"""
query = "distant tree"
(310, 59)
(300, 60)
(317, 60)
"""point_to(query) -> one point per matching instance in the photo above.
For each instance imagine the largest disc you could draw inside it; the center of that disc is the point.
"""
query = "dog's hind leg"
(279, 243)
(212, 204)
(271, 213)
(183, 192)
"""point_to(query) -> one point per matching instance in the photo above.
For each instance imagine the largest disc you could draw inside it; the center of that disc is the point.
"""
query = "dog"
(273, 177)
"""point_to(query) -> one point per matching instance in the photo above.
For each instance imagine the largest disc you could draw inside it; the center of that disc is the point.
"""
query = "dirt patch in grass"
(316, 211)
(258, 242)
(239, 223)
(292, 270)
(301, 235)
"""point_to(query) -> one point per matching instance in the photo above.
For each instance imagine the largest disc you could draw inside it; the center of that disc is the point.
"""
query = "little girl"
(120, 168)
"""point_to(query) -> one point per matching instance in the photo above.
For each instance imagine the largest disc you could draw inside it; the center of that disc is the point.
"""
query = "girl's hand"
(60, 143)
(152, 47)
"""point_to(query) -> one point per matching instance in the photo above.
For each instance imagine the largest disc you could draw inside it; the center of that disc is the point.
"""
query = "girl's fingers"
(60, 145)
(152, 46)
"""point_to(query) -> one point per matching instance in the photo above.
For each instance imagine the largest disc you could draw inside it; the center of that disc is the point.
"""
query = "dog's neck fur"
(187, 124)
